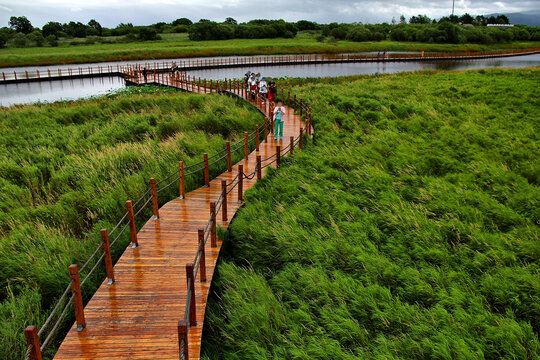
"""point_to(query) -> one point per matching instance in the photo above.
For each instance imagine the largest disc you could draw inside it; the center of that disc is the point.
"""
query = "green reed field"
(66, 170)
(178, 45)
(410, 231)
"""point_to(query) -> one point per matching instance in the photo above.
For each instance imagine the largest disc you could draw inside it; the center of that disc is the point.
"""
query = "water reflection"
(57, 90)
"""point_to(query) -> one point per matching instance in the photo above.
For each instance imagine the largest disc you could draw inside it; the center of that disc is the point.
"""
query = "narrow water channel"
(49, 91)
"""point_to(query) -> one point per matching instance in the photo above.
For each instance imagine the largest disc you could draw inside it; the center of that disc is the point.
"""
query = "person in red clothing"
(272, 90)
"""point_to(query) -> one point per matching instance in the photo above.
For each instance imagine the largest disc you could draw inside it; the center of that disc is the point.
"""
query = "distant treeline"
(452, 29)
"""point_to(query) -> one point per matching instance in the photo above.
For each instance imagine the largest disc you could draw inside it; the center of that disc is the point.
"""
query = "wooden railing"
(133, 209)
(236, 61)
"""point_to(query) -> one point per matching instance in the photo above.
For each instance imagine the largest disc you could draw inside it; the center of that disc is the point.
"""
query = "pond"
(49, 91)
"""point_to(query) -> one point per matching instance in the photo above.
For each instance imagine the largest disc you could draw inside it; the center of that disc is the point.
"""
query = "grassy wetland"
(411, 229)
(180, 46)
(66, 170)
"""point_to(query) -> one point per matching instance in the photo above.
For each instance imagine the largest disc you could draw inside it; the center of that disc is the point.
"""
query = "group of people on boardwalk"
(256, 83)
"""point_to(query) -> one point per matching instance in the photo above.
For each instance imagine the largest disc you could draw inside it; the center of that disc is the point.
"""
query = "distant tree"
(466, 19)
(147, 33)
(20, 24)
(52, 28)
(123, 29)
(503, 19)
(402, 19)
(393, 21)
(204, 20)
(420, 19)
(180, 28)
(182, 21)
(454, 19)
(95, 25)
(231, 21)
(20, 40)
(480, 20)
(4, 36)
(491, 20)
(75, 29)
(307, 25)
(36, 37)
(52, 41)
(159, 26)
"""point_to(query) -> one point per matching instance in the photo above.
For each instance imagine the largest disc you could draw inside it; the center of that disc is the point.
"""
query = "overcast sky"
(143, 12)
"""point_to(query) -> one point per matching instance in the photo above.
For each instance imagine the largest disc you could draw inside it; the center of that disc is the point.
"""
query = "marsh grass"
(409, 231)
(66, 171)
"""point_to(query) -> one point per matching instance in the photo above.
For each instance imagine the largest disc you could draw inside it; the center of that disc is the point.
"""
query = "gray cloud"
(141, 12)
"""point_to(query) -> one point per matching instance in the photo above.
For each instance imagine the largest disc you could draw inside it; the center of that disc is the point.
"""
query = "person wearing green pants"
(279, 117)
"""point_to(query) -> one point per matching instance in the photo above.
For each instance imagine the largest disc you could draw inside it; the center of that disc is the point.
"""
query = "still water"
(49, 91)
(57, 90)
(345, 69)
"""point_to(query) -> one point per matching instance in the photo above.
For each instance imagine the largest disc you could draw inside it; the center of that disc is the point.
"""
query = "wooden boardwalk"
(137, 316)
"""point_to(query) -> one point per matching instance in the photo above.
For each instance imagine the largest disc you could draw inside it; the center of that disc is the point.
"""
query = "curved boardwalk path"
(137, 316)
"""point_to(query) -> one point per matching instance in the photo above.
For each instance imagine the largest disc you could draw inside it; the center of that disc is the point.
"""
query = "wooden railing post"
(213, 240)
(240, 183)
(153, 191)
(229, 160)
(301, 140)
(259, 167)
(288, 98)
(132, 227)
(257, 138)
(206, 171)
(202, 264)
(246, 145)
(211, 85)
(301, 106)
(265, 128)
(292, 145)
(32, 339)
(191, 283)
(183, 340)
(107, 258)
(295, 103)
(181, 179)
(77, 297)
(278, 156)
(224, 199)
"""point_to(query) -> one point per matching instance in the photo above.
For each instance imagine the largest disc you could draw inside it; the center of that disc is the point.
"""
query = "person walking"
(272, 90)
(145, 73)
(253, 86)
(263, 88)
(246, 79)
(279, 118)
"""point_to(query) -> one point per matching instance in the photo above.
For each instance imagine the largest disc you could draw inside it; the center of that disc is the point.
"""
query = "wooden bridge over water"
(97, 70)
(152, 303)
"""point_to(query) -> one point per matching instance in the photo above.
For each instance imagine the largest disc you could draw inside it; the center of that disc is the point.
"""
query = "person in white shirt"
(279, 117)
(263, 88)
(253, 86)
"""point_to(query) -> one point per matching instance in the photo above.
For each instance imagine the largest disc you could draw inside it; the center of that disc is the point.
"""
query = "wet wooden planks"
(137, 316)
